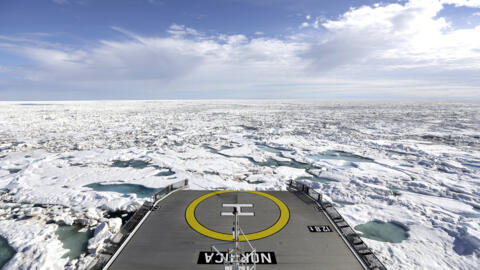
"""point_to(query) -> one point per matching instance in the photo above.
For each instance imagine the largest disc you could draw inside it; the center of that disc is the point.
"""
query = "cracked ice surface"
(420, 167)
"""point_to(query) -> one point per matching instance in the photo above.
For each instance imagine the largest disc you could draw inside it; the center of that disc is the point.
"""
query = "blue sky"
(151, 49)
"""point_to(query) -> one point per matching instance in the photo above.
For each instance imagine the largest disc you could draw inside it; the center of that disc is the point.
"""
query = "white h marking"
(238, 208)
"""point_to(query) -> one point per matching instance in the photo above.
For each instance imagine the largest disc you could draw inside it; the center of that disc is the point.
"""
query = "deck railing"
(116, 242)
(180, 184)
(305, 189)
(352, 239)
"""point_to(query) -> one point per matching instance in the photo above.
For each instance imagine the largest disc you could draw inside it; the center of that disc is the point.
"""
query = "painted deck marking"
(195, 225)
(238, 208)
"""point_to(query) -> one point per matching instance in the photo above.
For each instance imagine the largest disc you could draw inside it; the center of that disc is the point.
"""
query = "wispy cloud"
(66, 2)
(155, 2)
(462, 3)
(181, 30)
(60, 2)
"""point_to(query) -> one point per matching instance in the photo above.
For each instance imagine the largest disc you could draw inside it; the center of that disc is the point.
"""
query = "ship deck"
(179, 233)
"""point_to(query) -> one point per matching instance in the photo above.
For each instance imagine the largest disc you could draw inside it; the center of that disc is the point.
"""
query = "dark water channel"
(74, 240)
(6, 252)
(140, 190)
(383, 231)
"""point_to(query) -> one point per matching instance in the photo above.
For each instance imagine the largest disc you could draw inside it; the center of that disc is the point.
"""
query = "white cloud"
(175, 62)
(400, 49)
(312, 22)
(61, 2)
(304, 25)
(396, 38)
(155, 2)
(182, 30)
(463, 3)
(317, 22)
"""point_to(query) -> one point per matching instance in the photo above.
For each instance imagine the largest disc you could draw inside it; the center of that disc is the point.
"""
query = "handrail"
(168, 189)
(305, 189)
(360, 250)
(130, 227)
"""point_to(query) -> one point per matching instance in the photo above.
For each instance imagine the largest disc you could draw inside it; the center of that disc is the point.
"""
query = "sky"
(239, 49)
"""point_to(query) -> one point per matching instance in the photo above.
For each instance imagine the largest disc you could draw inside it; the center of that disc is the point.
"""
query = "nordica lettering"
(260, 257)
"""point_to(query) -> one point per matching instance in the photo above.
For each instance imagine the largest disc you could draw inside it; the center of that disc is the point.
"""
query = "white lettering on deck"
(208, 258)
(266, 258)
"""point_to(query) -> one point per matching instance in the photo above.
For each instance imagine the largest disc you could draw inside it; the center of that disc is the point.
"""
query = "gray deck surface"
(166, 241)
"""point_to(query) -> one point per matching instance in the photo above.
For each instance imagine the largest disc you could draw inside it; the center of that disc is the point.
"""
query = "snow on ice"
(414, 164)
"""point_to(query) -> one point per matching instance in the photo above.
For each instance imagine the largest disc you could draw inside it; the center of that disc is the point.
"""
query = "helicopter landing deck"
(287, 229)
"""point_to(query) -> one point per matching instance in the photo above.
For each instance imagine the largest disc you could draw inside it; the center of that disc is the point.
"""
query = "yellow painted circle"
(193, 222)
